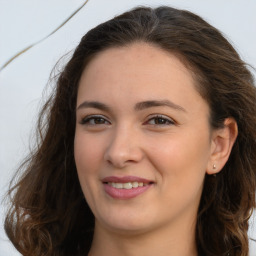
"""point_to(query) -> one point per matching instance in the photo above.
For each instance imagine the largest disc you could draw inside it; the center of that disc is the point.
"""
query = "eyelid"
(167, 118)
(87, 118)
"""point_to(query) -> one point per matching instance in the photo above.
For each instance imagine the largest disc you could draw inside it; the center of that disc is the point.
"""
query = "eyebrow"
(93, 104)
(158, 103)
(138, 107)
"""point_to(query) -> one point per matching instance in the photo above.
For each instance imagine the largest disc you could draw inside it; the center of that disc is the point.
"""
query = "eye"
(94, 120)
(160, 120)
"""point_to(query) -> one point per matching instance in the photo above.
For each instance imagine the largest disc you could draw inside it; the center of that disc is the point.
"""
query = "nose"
(124, 148)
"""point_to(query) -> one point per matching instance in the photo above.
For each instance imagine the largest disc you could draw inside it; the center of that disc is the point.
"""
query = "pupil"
(160, 121)
(99, 120)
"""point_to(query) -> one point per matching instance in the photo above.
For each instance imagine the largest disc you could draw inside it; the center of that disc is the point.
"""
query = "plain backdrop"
(23, 23)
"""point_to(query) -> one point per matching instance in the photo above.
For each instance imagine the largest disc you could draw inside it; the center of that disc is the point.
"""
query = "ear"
(222, 141)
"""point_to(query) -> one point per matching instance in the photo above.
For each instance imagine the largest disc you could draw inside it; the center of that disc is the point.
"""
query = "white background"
(25, 22)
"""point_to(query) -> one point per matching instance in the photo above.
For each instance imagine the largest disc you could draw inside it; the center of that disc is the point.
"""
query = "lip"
(123, 194)
(125, 179)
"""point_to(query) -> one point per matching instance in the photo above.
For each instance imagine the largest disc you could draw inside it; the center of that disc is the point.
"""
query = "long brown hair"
(48, 213)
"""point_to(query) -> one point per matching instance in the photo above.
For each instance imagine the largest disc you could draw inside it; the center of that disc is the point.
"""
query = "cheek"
(181, 172)
(87, 156)
(182, 158)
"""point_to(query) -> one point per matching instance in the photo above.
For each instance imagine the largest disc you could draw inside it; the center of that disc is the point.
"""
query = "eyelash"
(88, 119)
(164, 121)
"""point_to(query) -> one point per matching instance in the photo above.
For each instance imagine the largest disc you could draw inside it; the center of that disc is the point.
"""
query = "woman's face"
(142, 141)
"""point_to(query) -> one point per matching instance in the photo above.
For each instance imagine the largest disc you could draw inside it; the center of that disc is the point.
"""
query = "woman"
(147, 145)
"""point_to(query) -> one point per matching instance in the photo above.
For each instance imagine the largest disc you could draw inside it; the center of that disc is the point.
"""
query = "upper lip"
(125, 179)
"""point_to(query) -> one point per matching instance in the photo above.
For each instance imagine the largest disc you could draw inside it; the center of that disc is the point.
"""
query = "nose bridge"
(123, 146)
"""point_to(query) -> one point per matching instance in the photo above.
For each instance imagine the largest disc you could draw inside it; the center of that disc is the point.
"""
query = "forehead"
(139, 71)
(137, 52)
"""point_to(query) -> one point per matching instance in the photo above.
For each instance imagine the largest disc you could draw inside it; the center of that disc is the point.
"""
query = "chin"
(126, 224)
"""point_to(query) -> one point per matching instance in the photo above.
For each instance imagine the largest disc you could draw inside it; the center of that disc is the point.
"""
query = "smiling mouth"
(127, 185)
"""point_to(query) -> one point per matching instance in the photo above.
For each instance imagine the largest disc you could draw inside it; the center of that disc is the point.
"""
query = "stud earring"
(214, 168)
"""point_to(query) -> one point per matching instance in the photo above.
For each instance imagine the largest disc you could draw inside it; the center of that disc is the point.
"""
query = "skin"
(173, 146)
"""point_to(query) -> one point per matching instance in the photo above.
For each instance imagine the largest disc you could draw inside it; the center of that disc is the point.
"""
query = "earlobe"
(222, 143)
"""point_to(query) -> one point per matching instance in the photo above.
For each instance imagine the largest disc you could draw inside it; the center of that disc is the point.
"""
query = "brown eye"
(98, 120)
(94, 120)
(160, 120)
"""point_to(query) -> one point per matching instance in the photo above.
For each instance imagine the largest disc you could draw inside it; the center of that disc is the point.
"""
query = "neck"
(161, 242)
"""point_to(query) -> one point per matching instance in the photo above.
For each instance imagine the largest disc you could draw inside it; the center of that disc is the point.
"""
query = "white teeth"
(135, 184)
(118, 185)
(127, 185)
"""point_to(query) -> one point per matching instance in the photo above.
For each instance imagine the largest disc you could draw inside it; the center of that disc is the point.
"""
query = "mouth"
(126, 187)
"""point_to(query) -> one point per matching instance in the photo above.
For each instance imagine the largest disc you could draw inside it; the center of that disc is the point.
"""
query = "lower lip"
(125, 193)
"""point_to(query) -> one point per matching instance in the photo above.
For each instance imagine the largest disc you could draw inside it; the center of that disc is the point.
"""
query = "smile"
(127, 185)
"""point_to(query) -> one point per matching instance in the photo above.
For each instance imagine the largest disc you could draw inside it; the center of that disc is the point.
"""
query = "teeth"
(135, 184)
(128, 185)
(119, 185)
